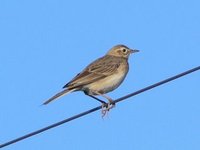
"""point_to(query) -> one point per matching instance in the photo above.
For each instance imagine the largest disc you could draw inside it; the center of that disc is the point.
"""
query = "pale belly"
(107, 84)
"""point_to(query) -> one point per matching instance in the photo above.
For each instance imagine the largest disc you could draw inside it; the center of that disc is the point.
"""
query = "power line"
(99, 107)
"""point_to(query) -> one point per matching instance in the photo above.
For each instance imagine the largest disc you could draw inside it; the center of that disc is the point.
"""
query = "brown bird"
(101, 76)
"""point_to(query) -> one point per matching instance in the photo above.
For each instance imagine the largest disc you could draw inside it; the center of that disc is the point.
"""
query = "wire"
(99, 107)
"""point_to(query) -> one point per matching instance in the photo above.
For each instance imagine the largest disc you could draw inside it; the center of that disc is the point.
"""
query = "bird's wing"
(97, 70)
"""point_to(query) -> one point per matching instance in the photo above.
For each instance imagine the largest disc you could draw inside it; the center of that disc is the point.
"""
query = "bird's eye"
(124, 50)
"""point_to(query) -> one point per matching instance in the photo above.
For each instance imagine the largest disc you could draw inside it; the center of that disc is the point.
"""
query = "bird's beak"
(134, 50)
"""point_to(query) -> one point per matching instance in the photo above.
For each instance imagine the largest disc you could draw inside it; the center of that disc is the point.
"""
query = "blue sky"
(45, 43)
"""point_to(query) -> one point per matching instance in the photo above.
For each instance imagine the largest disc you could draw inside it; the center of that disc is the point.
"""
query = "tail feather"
(62, 93)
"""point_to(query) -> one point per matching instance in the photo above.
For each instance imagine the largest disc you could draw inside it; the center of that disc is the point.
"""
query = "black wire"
(158, 84)
(99, 107)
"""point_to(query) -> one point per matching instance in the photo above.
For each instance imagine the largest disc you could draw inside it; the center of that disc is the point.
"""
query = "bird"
(101, 76)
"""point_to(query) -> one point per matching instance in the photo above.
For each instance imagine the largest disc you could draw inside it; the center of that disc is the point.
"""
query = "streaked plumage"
(101, 76)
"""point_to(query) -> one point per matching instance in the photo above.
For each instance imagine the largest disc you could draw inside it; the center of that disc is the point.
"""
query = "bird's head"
(121, 51)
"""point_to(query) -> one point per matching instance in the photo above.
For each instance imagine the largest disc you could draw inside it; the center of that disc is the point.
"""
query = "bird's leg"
(104, 105)
(96, 99)
(108, 106)
(111, 103)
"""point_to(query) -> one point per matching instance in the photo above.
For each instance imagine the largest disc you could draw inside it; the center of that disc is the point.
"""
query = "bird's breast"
(108, 83)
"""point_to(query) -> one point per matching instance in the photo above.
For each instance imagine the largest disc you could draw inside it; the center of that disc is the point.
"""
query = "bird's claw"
(106, 107)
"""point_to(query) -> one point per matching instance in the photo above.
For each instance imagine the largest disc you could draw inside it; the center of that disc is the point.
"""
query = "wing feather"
(97, 70)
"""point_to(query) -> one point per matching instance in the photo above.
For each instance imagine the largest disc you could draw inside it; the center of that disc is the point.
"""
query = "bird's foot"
(106, 107)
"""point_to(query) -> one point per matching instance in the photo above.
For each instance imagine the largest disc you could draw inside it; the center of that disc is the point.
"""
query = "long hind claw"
(106, 107)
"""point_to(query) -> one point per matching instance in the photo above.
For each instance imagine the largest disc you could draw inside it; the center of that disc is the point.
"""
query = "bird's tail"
(62, 93)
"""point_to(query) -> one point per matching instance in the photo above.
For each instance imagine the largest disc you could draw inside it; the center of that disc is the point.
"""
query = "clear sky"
(45, 43)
